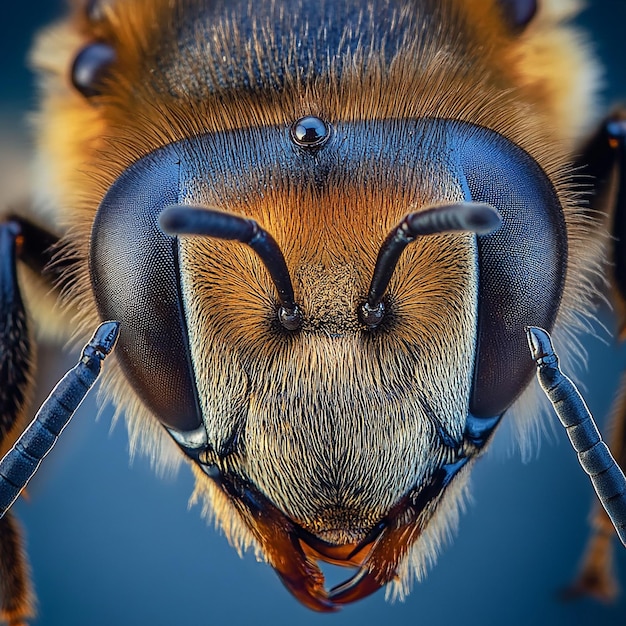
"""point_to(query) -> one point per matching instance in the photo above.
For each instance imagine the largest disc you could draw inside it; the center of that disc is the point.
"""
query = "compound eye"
(91, 67)
(522, 266)
(310, 132)
(136, 279)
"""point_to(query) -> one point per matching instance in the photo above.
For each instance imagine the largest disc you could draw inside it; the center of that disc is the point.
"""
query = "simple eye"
(91, 66)
(310, 132)
(135, 278)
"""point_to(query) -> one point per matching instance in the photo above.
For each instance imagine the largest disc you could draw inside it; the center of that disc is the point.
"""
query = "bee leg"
(15, 588)
(594, 455)
(32, 245)
(16, 365)
(15, 340)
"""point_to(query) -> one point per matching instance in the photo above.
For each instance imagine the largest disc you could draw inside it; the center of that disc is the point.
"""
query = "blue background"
(112, 544)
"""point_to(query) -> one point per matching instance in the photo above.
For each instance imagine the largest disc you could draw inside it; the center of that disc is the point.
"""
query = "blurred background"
(110, 543)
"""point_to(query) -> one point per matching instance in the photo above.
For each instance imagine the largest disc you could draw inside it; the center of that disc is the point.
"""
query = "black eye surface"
(522, 266)
(91, 67)
(135, 279)
(310, 132)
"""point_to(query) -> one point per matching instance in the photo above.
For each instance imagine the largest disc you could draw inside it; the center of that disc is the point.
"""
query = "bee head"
(330, 369)
(334, 435)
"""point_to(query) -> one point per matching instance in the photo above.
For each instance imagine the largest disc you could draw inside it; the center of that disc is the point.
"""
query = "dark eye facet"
(310, 132)
(136, 280)
(91, 67)
(522, 266)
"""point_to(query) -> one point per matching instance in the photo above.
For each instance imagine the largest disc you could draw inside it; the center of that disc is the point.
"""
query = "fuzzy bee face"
(309, 395)
(334, 441)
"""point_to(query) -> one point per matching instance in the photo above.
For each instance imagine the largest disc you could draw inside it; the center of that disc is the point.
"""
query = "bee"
(321, 232)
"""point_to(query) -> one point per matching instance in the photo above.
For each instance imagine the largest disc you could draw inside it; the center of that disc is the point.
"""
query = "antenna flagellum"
(473, 217)
(197, 220)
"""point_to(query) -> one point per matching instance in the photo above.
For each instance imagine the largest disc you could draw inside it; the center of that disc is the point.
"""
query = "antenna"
(196, 220)
(463, 216)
